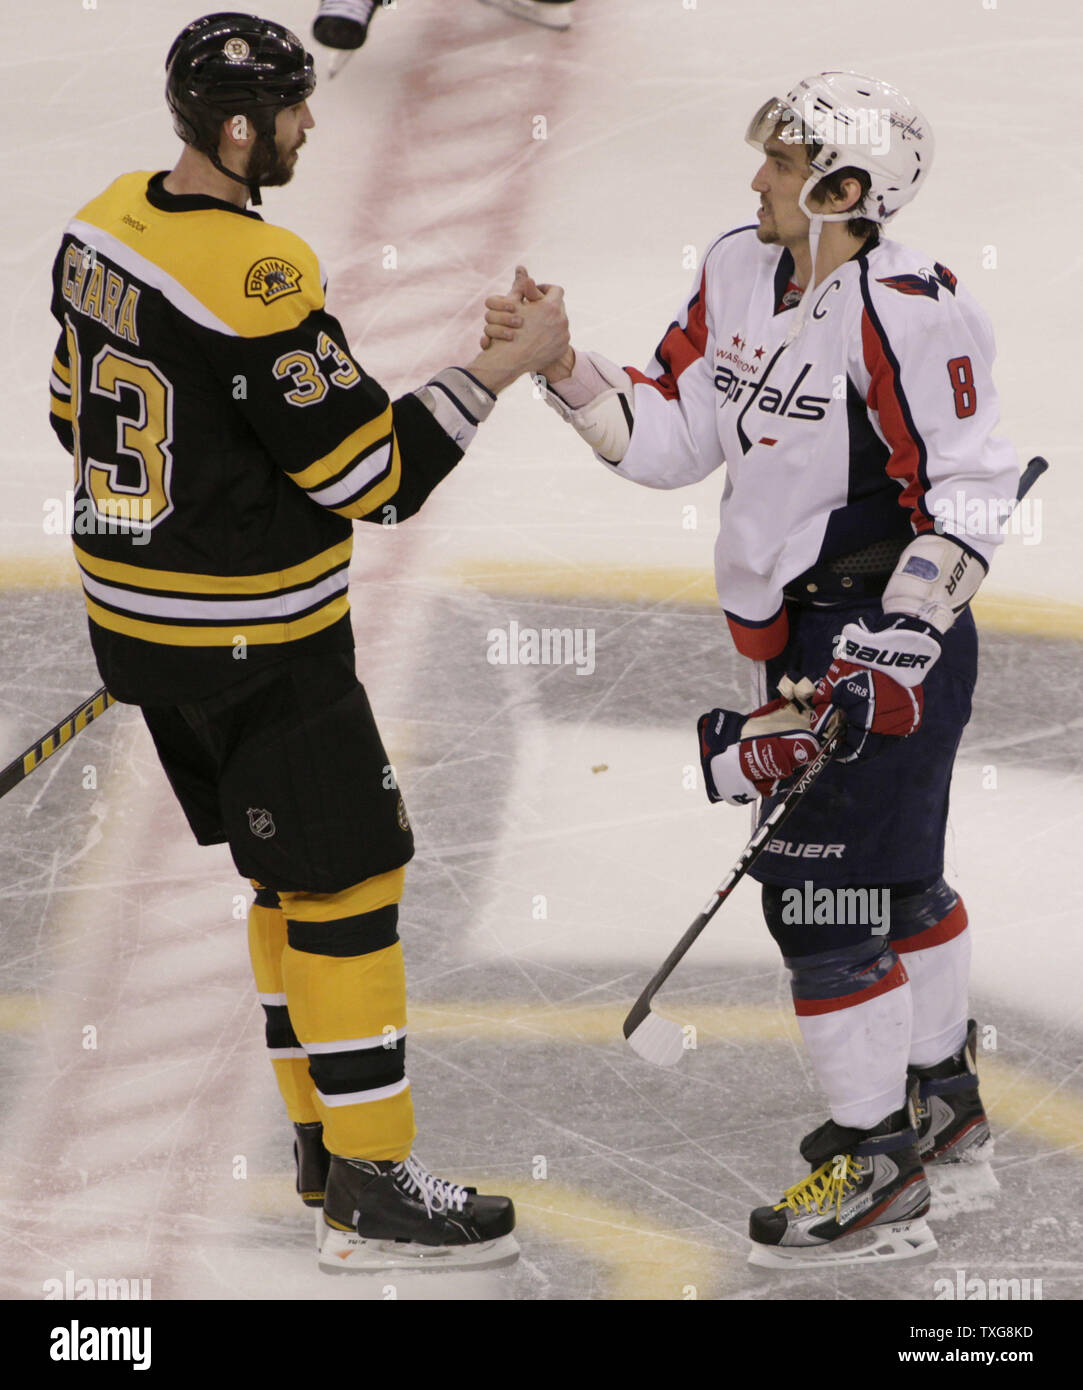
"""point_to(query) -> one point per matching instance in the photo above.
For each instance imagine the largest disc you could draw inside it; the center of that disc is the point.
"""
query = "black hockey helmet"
(231, 64)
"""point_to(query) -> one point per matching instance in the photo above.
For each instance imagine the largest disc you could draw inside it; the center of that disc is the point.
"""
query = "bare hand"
(539, 338)
(504, 319)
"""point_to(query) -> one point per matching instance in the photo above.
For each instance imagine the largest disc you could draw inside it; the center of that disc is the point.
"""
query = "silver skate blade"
(658, 1040)
(342, 1252)
(961, 1187)
(902, 1240)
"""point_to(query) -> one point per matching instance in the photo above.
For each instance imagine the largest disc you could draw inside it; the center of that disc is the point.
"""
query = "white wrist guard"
(606, 421)
(934, 580)
(458, 401)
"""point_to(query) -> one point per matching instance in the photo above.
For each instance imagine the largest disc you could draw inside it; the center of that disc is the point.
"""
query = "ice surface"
(560, 853)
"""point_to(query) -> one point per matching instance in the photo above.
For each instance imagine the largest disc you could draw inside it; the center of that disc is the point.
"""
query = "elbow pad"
(606, 421)
(934, 581)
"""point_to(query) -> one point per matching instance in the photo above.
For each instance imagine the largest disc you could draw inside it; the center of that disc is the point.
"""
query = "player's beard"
(268, 166)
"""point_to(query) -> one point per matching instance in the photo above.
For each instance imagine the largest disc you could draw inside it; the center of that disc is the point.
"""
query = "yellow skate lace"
(824, 1188)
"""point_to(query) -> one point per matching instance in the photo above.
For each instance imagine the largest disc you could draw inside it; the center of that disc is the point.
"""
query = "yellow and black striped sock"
(346, 985)
(266, 942)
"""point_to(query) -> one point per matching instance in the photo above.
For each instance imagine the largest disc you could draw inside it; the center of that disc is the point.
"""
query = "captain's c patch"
(271, 279)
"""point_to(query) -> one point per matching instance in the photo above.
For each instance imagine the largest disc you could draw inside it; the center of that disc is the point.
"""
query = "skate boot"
(953, 1133)
(343, 23)
(552, 14)
(865, 1201)
(313, 1162)
(397, 1215)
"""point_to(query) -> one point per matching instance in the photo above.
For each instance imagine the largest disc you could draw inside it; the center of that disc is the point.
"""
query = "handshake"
(525, 331)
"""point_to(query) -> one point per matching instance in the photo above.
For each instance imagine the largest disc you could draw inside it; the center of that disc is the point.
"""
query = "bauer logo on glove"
(745, 756)
(875, 679)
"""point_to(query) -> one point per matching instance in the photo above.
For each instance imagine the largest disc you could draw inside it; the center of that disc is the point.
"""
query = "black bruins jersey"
(223, 440)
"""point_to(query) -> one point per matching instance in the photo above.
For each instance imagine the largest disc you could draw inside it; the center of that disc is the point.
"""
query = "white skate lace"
(437, 1193)
(359, 10)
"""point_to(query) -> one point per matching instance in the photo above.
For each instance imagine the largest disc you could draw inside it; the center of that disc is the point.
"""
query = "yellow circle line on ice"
(1014, 1097)
(636, 1258)
(643, 1260)
(609, 583)
(673, 584)
(40, 571)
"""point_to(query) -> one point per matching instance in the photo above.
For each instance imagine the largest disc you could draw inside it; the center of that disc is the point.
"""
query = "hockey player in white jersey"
(844, 380)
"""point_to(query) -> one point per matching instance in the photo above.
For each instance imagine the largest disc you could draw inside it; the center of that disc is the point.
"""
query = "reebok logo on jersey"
(927, 282)
(270, 279)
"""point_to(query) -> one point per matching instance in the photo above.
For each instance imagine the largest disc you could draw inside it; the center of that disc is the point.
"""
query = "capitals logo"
(928, 282)
(782, 400)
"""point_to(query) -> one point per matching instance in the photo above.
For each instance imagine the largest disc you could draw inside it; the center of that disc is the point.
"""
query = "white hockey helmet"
(849, 121)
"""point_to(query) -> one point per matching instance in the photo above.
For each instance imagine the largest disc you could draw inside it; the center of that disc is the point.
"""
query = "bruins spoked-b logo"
(236, 50)
(271, 279)
(400, 812)
(261, 823)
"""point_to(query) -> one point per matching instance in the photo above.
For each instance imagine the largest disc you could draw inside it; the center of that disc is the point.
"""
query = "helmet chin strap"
(251, 184)
(816, 224)
(253, 188)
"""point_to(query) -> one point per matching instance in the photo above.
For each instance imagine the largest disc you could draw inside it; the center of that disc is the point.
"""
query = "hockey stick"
(1029, 476)
(660, 1040)
(56, 738)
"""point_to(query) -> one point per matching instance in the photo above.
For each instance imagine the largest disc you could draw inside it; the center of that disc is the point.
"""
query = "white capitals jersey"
(875, 423)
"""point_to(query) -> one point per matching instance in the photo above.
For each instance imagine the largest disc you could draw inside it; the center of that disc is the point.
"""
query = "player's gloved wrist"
(876, 680)
(745, 756)
(910, 623)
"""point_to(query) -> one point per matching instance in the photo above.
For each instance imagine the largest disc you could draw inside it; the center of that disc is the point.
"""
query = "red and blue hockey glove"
(745, 756)
(876, 680)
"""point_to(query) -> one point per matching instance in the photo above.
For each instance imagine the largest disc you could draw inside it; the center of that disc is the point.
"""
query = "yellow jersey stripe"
(327, 469)
(380, 492)
(222, 585)
(62, 371)
(169, 635)
(61, 409)
(367, 896)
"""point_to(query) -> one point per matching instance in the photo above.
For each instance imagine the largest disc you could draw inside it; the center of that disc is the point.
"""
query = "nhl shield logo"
(261, 823)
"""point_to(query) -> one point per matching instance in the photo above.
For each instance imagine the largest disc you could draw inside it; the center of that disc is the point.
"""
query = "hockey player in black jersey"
(225, 439)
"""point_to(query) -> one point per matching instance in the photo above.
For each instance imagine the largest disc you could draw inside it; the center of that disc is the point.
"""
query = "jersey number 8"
(961, 375)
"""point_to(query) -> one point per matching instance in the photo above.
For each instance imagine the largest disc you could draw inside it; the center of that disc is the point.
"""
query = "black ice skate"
(397, 1215)
(313, 1163)
(865, 1201)
(953, 1133)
